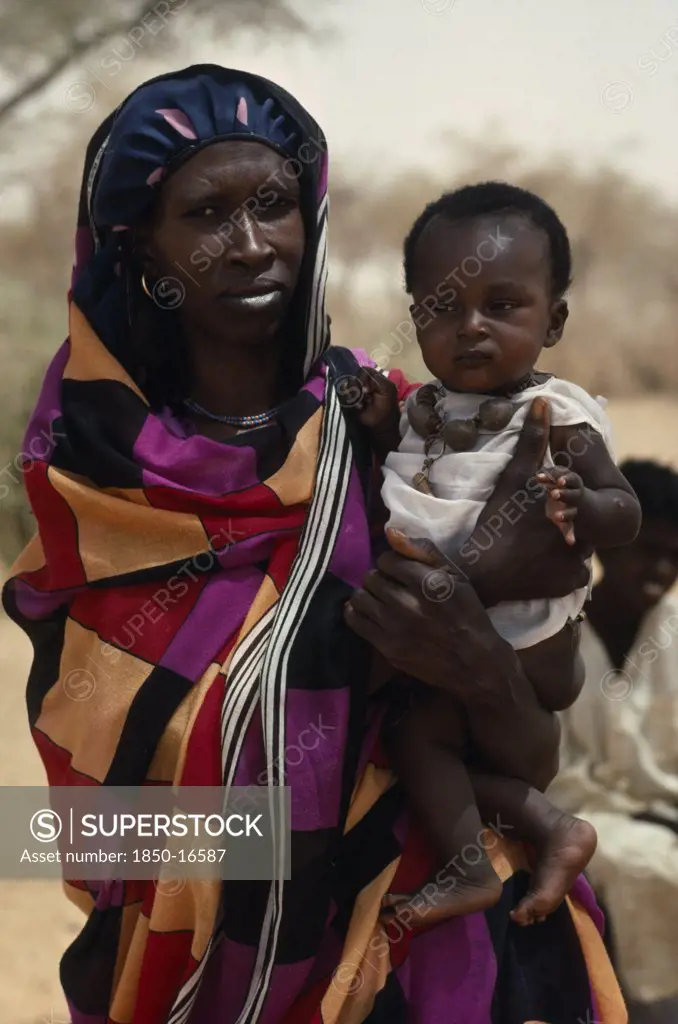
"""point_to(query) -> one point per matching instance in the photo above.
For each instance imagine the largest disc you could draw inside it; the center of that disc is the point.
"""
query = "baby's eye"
(503, 305)
(203, 211)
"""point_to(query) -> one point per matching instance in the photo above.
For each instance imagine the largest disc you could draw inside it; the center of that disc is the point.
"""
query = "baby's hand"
(378, 404)
(378, 410)
(565, 493)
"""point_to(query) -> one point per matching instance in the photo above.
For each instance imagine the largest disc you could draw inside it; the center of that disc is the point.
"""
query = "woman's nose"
(249, 245)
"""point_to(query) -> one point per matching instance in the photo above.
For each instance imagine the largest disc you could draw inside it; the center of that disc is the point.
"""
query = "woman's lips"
(253, 298)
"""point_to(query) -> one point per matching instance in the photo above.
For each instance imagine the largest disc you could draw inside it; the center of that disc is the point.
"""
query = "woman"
(196, 413)
(619, 746)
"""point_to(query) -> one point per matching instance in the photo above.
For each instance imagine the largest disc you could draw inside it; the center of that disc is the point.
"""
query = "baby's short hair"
(497, 197)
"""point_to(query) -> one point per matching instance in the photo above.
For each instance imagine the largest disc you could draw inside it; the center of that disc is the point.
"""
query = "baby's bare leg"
(564, 845)
(424, 745)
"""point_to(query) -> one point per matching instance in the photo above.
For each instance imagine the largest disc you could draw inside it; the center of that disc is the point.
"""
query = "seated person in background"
(619, 759)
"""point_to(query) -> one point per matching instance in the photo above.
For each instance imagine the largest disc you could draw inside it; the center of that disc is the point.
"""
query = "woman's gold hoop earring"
(145, 286)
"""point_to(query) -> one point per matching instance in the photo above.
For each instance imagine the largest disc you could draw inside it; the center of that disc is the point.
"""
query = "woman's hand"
(515, 552)
(430, 624)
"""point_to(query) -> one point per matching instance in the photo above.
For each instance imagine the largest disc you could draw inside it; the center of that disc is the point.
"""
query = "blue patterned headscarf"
(160, 125)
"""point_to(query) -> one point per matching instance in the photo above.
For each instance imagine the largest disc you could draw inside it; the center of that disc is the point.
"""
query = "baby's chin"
(475, 380)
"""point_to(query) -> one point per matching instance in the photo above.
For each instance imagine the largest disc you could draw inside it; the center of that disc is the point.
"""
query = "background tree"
(40, 38)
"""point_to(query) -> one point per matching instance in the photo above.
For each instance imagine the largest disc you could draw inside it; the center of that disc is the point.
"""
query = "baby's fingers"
(562, 516)
(547, 477)
(565, 515)
(568, 496)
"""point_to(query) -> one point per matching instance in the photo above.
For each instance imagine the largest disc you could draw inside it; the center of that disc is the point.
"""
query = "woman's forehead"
(231, 164)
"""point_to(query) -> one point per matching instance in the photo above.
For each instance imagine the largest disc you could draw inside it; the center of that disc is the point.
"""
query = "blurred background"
(576, 102)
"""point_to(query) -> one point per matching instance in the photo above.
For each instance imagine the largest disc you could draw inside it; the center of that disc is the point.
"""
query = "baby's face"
(483, 306)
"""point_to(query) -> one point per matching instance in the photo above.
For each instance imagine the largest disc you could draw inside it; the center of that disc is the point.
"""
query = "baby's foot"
(566, 850)
(433, 903)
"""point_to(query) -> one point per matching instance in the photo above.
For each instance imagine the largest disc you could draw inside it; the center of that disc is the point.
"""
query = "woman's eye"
(281, 204)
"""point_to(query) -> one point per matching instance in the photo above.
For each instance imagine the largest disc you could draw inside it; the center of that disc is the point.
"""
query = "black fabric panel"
(327, 655)
(541, 970)
(390, 1006)
(100, 423)
(88, 965)
(364, 853)
(271, 456)
(159, 573)
(306, 901)
(47, 637)
(342, 363)
(146, 721)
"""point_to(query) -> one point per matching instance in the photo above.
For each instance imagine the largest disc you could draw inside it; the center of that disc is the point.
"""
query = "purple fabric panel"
(450, 973)
(39, 440)
(194, 463)
(83, 1018)
(316, 387)
(583, 893)
(226, 982)
(329, 954)
(242, 553)
(317, 722)
(36, 605)
(362, 356)
(219, 612)
(352, 555)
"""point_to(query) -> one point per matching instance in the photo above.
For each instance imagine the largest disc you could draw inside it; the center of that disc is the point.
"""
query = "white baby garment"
(463, 481)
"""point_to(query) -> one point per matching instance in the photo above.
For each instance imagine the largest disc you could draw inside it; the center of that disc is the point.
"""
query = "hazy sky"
(582, 77)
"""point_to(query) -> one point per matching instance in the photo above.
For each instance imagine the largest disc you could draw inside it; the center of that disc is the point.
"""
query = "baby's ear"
(559, 314)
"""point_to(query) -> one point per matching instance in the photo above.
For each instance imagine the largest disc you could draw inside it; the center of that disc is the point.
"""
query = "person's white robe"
(619, 757)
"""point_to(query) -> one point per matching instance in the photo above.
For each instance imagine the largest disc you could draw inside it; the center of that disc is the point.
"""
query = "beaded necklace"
(460, 435)
(258, 419)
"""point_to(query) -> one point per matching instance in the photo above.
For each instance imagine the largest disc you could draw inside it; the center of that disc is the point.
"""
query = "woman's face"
(229, 227)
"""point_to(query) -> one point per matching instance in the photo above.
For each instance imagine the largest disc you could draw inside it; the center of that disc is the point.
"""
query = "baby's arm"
(591, 495)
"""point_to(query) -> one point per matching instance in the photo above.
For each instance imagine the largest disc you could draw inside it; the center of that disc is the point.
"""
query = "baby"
(487, 267)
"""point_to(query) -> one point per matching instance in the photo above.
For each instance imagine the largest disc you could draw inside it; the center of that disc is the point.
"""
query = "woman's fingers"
(527, 463)
(366, 605)
(418, 550)
(530, 450)
(364, 626)
(405, 571)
